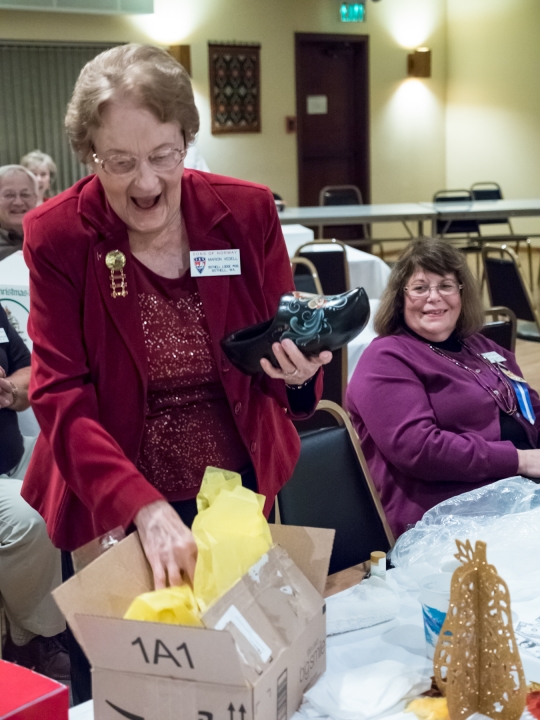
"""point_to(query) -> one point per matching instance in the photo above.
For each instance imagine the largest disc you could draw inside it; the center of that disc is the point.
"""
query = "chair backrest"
(331, 487)
(489, 191)
(305, 276)
(453, 227)
(505, 282)
(340, 195)
(486, 191)
(332, 265)
(502, 327)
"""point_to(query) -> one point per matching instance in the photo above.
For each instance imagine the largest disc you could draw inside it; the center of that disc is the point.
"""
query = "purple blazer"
(429, 431)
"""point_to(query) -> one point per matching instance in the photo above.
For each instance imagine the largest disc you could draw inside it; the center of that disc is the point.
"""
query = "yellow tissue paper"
(231, 533)
(429, 708)
(173, 605)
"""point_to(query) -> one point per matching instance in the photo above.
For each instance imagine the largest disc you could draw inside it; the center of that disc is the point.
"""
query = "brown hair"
(144, 74)
(438, 257)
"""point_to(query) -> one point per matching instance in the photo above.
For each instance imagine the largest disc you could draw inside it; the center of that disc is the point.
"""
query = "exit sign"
(352, 12)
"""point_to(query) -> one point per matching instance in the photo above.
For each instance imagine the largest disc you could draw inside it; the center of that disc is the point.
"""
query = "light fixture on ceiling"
(419, 63)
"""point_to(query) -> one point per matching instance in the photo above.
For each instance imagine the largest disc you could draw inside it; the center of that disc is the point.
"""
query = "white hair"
(8, 169)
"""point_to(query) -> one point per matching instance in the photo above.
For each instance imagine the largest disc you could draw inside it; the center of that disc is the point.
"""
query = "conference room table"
(358, 214)
(411, 212)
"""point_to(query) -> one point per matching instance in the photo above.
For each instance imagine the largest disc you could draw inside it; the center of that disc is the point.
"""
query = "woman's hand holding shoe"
(168, 544)
(295, 367)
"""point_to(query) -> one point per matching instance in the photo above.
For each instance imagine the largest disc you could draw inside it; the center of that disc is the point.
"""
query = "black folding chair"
(356, 235)
(507, 287)
(484, 191)
(305, 276)
(464, 226)
(331, 487)
(459, 231)
(332, 265)
(501, 328)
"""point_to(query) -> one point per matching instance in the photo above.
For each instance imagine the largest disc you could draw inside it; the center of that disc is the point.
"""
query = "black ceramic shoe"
(314, 322)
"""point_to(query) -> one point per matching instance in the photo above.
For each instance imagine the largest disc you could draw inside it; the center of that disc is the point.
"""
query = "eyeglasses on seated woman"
(439, 408)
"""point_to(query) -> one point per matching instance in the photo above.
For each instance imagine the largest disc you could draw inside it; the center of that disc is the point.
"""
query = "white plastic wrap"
(505, 515)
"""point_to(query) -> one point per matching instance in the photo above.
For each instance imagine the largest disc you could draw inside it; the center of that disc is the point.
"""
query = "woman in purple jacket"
(439, 408)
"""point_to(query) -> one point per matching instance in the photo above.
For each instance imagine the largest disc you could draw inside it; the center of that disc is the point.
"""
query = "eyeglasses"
(421, 290)
(9, 196)
(124, 163)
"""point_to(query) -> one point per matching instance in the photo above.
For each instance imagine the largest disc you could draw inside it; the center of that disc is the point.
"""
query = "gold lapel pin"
(116, 261)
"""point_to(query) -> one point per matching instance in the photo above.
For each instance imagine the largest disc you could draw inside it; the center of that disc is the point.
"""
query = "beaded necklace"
(505, 400)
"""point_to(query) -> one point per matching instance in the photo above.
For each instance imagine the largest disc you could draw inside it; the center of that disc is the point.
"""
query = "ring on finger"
(292, 374)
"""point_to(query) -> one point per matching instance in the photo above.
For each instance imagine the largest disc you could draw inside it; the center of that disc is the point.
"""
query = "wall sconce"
(182, 53)
(419, 63)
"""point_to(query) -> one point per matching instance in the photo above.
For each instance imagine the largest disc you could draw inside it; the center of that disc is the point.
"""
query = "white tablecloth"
(401, 640)
(83, 712)
(296, 235)
(357, 346)
(365, 270)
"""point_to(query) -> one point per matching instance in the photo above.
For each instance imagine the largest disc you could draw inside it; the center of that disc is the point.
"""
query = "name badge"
(522, 394)
(209, 263)
(493, 357)
(3, 337)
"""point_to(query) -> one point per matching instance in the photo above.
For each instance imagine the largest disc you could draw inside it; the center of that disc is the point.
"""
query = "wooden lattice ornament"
(477, 664)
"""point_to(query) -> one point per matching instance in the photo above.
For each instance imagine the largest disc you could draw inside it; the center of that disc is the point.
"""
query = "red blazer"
(89, 378)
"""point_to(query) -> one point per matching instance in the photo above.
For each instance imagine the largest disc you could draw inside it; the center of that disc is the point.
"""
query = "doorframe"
(300, 38)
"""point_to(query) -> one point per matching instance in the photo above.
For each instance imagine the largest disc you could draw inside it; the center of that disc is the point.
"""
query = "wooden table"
(346, 578)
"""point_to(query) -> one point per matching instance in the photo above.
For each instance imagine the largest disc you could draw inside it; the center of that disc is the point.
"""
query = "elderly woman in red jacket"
(131, 388)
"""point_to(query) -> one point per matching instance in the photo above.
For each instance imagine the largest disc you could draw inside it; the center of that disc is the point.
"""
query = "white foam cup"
(435, 598)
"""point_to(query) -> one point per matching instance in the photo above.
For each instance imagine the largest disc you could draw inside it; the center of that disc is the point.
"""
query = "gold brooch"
(116, 261)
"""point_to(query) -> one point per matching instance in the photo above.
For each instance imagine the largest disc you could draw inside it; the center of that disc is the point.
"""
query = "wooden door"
(332, 107)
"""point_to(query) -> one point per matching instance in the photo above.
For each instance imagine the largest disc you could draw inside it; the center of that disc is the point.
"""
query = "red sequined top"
(189, 423)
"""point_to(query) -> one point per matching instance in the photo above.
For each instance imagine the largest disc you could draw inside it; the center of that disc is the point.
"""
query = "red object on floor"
(25, 695)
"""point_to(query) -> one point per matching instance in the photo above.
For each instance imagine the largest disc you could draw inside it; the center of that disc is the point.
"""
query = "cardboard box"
(15, 292)
(25, 695)
(263, 645)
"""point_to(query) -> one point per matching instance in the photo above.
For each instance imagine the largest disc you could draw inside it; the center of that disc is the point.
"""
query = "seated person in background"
(30, 566)
(44, 168)
(18, 195)
(432, 400)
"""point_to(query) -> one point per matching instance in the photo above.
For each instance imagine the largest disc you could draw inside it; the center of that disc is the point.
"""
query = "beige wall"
(493, 111)
(407, 135)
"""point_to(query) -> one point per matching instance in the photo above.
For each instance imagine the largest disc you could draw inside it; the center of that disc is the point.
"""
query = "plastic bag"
(231, 533)
(505, 515)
